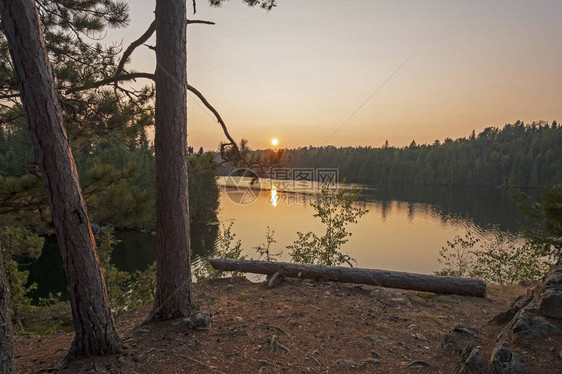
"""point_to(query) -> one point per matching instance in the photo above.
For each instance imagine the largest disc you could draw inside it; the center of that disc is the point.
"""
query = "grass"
(243, 296)
(424, 298)
(427, 316)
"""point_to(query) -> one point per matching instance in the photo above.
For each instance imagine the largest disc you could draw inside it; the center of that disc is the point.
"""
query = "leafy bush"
(19, 241)
(458, 256)
(126, 291)
(264, 250)
(504, 259)
(546, 232)
(509, 258)
(226, 246)
(336, 209)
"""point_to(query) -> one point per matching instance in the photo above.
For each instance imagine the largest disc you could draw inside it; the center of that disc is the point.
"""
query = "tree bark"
(382, 278)
(173, 289)
(6, 343)
(95, 334)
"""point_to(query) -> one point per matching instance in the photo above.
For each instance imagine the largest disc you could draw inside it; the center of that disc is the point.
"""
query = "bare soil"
(299, 327)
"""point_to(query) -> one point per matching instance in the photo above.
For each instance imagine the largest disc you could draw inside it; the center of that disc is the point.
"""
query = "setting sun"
(274, 141)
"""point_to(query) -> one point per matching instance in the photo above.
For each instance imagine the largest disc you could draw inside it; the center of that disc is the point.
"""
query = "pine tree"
(93, 325)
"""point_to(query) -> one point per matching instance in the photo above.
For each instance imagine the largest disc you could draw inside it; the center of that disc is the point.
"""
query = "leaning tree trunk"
(93, 324)
(6, 344)
(173, 290)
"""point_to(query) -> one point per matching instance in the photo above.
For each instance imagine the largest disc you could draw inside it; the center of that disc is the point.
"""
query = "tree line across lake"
(521, 155)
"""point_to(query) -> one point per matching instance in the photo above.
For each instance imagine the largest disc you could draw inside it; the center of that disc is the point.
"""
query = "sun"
(274, 141)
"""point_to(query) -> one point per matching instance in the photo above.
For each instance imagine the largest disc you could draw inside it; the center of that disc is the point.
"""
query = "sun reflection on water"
(274, 197)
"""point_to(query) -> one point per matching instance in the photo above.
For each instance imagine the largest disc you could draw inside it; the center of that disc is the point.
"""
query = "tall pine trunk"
(95, 334)
(6, 343)
(173, 290)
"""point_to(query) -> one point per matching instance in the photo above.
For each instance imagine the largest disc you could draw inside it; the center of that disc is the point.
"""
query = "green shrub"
(336, 209)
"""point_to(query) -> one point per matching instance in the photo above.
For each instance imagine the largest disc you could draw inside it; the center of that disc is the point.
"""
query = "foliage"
(16, 150)
(143, 289)
(265, 4)
(264, 250)
(523, 155)
(546, 232)
(457, 256)
(118, 184)
(18, 241)
(226, 246)
(336, 209)
(126, 291)
(203, 187)
(239, 159)
(504, 259)
(72, 31)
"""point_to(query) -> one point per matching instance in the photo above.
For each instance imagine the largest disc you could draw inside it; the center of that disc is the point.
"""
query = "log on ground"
(382, 278)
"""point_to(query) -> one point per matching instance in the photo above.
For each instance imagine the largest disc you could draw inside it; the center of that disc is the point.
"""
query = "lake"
(403, 230)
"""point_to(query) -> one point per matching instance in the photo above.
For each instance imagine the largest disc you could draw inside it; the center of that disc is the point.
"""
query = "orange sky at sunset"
(298, 72)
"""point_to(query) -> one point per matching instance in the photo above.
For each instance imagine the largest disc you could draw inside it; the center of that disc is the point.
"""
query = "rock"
(465, 329)
(418, 364)
(472, 361)
(517, 363)
(550, 299)
(199, 320)
(349, 364)
(516, 305)
(526, 321)
(370, 361)
(554, 277)
(377, 339)
(450, 343)
(99, 368)
(550, 304)
(419, 336)
(458, 337)
(528, 327)
(449, 347)
(506, 362)
(503, 317)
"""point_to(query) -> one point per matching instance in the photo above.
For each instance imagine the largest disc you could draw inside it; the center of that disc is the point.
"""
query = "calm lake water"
(403, 230)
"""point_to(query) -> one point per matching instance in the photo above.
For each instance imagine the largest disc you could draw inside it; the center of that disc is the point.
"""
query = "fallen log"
(383, 278)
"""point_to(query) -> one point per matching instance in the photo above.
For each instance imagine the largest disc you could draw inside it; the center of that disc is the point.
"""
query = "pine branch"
(108, 81)
(143, 38)
(130, 49)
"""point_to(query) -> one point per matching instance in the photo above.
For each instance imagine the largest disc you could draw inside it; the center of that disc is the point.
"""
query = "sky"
(358, 73)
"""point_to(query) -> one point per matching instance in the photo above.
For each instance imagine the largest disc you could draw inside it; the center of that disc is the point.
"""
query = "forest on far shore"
(520, 155)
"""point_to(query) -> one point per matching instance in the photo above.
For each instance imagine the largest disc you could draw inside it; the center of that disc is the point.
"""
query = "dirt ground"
(298, 327)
